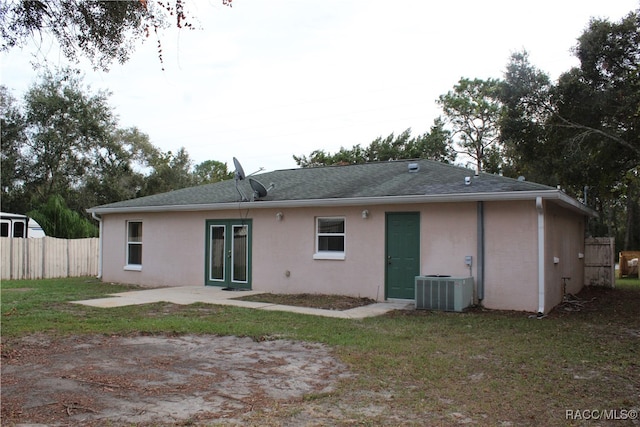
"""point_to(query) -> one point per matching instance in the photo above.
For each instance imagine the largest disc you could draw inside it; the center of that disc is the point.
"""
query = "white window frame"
(128, 266)
(331, 255)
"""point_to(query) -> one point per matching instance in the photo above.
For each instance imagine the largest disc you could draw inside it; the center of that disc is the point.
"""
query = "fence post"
(25, 261)
(44, 257)
(10, 259)
(68, 260)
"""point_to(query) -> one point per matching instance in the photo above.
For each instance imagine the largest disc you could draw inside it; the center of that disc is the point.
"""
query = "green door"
(402, 254)
(228, 253)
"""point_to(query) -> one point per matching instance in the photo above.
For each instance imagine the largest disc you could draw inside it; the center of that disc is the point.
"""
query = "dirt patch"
(157, 380)
(326, 302)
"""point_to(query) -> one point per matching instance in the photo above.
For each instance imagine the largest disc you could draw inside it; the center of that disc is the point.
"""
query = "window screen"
(134, 243)
(330, 235)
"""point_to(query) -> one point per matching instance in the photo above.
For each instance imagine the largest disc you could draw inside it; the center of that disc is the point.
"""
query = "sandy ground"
(157, 380)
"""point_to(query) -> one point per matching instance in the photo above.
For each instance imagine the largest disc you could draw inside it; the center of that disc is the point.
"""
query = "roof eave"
(558, 195)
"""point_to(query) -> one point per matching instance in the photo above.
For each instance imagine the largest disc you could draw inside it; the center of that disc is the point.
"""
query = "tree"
(101, 31)
(12, 128)
(434, 145)
(57, 220)
(63, 152)
(211, 171)
(389, 148)
(583, 133)
(170, 172)
(117, 167)
(596, 117)
(609, 56)
(473, 111)
(64, 125)
(525, 97)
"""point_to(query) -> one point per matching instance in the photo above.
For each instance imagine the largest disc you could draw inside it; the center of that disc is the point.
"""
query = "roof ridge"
(376, 162)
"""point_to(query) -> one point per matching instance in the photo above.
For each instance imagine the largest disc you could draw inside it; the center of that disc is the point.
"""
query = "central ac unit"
(444, 293)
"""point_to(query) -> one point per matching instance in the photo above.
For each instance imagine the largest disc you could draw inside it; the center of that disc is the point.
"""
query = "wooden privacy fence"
(48, 258)
(599, 262)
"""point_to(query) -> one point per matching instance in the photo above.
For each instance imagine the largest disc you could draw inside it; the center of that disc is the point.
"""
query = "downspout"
(480, 261)
(540, 209)
(99, 219)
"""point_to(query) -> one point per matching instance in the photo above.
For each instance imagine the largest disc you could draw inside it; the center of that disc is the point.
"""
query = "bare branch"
(587, 130)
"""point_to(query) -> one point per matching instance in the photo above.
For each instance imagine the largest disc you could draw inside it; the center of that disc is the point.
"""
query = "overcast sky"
(265, 80)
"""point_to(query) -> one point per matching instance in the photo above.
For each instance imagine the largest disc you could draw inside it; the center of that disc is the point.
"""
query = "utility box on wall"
(443, 293)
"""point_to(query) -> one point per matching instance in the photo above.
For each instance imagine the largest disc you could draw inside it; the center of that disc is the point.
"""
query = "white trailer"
(16, 225)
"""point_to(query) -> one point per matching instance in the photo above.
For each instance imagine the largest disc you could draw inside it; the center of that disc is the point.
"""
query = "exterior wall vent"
(414, 167)
(443, 293)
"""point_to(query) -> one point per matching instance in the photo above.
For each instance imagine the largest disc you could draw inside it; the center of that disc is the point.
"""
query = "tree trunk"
(632, 229)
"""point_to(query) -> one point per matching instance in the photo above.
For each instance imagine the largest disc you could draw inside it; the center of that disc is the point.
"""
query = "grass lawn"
(422, 367)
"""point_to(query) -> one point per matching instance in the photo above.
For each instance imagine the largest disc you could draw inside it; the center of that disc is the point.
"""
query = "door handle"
(229, 253)
(389, 260)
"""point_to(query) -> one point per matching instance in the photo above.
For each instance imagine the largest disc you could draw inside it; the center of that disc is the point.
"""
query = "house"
(362, 230)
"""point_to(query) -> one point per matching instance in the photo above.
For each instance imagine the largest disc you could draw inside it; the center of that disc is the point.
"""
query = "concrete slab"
(182, 295)
(378, 309)
(185, 295)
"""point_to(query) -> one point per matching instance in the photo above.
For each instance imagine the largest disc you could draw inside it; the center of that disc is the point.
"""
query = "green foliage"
(117, 164)
(584, 131)
(473, 110)
(57, 220)
(170, 172)
(597, 119)
(12, 128)
(525, 96)
(65, 124)
(581, 133)
(434, 145)
(211, 171)
(58, 132)
(64, 141)
(100, 31)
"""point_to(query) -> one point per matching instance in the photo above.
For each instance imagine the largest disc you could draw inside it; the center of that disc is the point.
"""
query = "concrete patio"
(185, 295)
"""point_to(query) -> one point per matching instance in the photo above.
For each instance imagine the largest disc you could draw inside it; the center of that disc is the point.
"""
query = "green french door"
(402, 254)
(228, 253)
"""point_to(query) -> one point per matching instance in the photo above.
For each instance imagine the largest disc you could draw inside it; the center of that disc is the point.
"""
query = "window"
(18, 229)
(4, 228)
(240, 253)
(134, 245)
(330, 238)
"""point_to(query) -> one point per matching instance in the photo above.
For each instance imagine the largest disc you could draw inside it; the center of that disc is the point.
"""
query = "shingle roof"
(340, 182)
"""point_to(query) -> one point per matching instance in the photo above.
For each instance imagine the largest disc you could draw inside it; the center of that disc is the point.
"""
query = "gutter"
(540, 209)
(556, 195)
(97, 218)
(480, 255)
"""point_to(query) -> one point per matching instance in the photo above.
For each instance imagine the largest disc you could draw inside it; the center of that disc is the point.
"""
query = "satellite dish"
(259, 190)
(239, 174)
